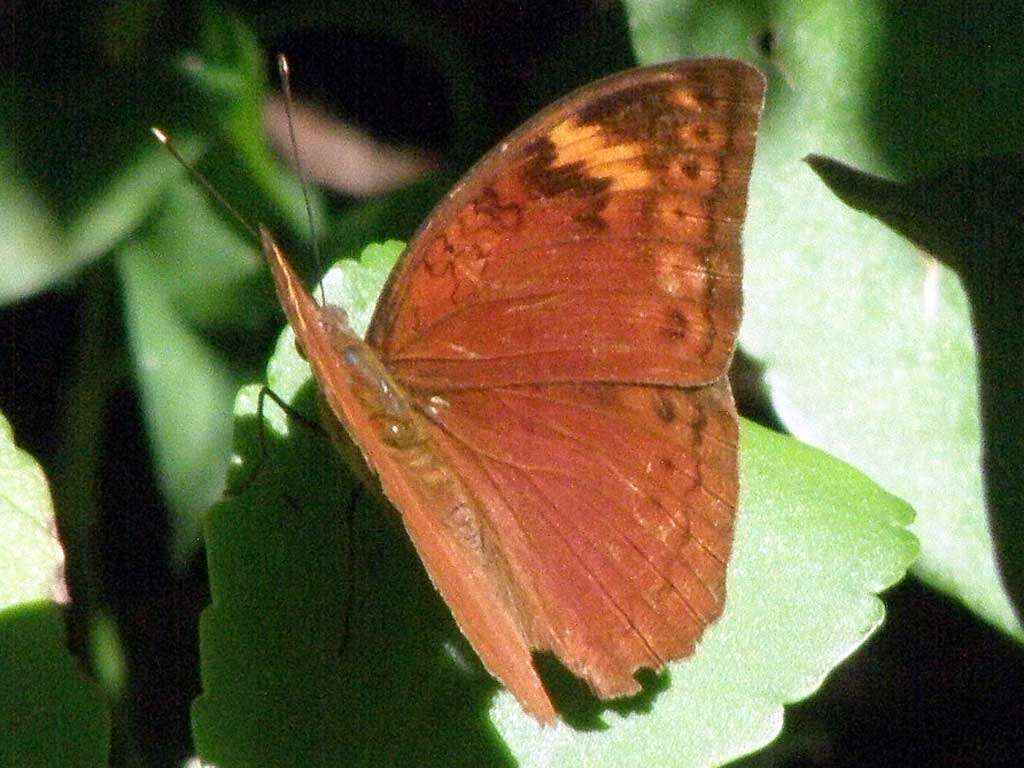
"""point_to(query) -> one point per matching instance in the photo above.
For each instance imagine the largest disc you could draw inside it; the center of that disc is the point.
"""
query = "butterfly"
(542, 391)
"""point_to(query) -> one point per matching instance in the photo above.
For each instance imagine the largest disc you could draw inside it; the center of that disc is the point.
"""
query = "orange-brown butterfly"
(542, 392)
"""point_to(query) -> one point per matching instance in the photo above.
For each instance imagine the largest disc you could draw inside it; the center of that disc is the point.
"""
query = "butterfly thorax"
(399, 425)
(384, 399)
(367, 407)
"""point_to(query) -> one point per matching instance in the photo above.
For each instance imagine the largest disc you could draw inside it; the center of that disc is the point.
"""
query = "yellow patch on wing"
(621, 163)
(684, 98)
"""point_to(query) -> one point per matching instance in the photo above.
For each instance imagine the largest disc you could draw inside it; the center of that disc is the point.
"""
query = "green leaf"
(38, 252)
(355, 285)
(867, 345)
(186, 388)
(31, 568)
(79, 166)
(325, 643)
(30, 253)
(51, 714)
(229, 72)
(967, 217)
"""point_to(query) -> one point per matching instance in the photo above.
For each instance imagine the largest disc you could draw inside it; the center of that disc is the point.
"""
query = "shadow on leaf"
(325, 642)
(970, 217)
(580, 708)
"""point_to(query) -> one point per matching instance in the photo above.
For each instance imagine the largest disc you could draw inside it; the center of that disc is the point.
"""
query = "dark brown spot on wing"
(677, 325)
(591, 218)
(666, 411)
(505, 215)
(628, 113)
(690, 168)
(548, 180)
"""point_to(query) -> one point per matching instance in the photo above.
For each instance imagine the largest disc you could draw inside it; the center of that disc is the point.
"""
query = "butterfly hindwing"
(615, 502)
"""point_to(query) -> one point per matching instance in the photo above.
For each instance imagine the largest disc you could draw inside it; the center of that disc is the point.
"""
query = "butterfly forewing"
(595, 251)
(601, 242)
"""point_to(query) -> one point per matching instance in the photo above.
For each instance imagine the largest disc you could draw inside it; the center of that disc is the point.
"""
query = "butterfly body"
(542, 392)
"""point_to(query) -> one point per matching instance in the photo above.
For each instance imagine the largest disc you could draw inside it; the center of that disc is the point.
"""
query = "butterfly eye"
(398, 433)
(335, 320)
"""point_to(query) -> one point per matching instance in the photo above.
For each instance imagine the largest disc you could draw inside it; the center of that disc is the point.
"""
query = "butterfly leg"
(291, 412)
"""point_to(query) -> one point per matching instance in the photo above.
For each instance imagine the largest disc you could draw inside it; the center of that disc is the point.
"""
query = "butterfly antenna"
(284, 73)
(164, 139)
